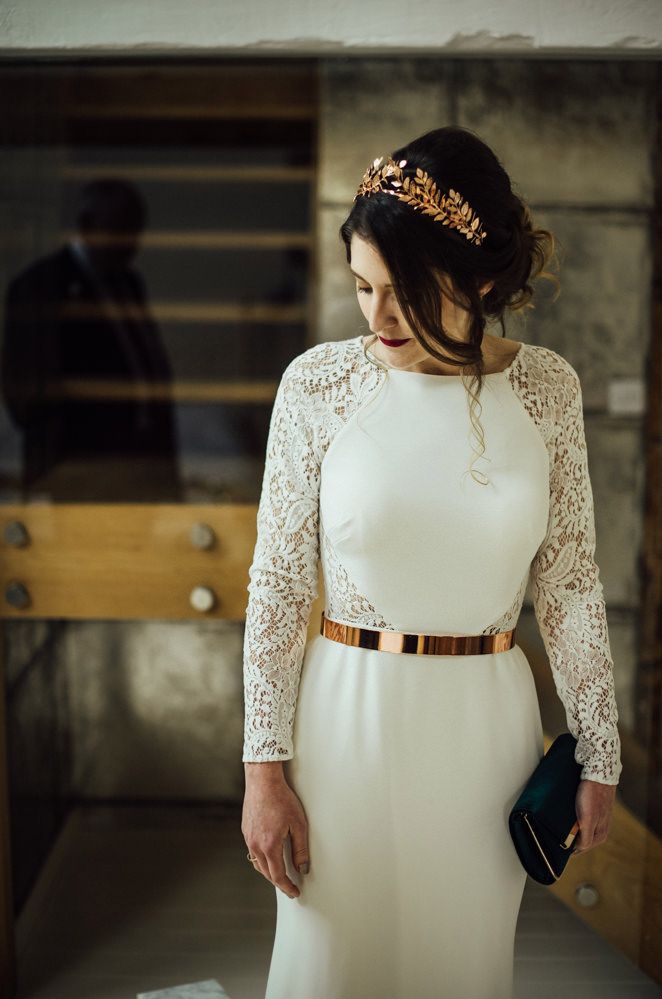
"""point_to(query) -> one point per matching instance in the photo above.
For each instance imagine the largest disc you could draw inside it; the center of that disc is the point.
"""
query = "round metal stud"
(16, 534)
(587, 895)
(202, 536)
(17, 594)
(202, 598)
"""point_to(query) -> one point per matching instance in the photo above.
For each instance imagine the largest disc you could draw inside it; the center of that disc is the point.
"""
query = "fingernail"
(304, 868)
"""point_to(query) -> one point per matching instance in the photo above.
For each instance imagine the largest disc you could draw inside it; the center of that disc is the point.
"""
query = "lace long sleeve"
(283, 574)
(568, 595)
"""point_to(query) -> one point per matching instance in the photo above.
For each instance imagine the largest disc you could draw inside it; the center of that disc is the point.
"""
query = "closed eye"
(366, 291)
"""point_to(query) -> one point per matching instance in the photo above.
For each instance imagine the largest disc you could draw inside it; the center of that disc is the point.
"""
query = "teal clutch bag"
(543, 822)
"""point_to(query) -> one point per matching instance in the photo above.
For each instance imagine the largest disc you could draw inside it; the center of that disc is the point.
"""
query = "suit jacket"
(58, 326)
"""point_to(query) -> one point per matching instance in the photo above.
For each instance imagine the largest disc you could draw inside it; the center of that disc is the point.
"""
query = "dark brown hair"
(417, 250)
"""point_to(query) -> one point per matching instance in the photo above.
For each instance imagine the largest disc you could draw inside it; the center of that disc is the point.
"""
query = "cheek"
(364, 304)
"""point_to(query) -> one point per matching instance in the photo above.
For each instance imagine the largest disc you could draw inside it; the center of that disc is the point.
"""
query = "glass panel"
(156, 267)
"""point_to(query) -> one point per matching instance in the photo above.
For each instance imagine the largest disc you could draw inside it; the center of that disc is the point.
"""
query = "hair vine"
(421, 192)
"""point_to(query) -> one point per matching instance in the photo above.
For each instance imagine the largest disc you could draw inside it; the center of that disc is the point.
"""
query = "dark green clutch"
(543, 821)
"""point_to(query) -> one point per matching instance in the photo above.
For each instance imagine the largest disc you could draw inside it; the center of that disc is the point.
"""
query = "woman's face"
(382, 311)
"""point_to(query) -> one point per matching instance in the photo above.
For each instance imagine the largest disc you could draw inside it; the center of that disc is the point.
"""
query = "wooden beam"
(8, 964)
(193, 174)
(133, 561)
(253, 392)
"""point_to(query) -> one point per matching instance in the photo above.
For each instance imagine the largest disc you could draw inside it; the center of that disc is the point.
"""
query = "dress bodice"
(367, 470)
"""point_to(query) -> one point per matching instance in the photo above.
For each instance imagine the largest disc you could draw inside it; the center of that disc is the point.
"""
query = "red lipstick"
(393, 343)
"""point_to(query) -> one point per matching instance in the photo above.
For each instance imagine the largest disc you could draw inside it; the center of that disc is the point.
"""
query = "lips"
(393, 343)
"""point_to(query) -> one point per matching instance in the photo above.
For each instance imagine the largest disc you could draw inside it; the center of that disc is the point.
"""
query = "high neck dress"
(407, 765)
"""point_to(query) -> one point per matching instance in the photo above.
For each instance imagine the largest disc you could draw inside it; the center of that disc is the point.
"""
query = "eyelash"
(364, 291)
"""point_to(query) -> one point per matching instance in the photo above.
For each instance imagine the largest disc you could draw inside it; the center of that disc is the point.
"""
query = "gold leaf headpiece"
(422, 193)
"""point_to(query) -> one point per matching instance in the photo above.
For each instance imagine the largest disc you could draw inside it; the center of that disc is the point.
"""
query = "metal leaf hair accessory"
(421, 192)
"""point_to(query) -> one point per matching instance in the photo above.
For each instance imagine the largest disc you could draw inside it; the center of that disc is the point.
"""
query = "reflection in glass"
(84, 372)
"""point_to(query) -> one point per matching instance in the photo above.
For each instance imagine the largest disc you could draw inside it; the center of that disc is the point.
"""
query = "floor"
(139, 899)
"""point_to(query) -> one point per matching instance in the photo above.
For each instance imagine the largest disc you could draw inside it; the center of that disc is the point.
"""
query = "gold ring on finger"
(252, 859)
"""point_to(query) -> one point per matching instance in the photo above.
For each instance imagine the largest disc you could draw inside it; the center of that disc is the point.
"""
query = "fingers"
(273, 825)
(260, 863)
(270, 864)
(300, 856)
(591, 836)
(594, 802)
(277, 873)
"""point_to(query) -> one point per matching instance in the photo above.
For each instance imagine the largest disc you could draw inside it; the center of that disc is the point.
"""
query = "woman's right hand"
(271, 813)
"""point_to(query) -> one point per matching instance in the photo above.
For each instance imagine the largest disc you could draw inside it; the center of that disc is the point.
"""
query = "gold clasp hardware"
(542, 852)
(568, 841)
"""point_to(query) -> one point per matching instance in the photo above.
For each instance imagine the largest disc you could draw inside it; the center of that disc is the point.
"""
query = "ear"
(486, 287)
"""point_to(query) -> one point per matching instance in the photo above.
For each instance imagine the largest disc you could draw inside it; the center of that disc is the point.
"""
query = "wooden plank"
(243, 89)
(626, 870)
(127, 561)
(211, 239)
(184, 312)
(8, 965)
(253, 392)
(648, 685)
(223, 89)
(648, 700)
(193, 174)
(261, 109)
(212, 312)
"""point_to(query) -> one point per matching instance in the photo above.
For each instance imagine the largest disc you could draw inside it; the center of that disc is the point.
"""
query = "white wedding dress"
(407, 765)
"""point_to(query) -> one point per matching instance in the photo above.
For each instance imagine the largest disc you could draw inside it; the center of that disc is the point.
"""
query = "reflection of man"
(77, 318)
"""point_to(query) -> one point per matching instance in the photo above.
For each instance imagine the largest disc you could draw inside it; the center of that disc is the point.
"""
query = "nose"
(381, 316)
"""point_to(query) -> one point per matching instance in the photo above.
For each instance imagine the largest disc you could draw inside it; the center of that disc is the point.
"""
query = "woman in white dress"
(434, 469)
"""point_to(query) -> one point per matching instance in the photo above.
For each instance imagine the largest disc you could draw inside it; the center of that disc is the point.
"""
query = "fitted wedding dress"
(407, 765)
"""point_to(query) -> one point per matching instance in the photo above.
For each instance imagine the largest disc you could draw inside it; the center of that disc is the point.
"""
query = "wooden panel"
(232, 90)
(648, 691)
(257, 392)
(127, 561)
(648, 697)
(207, 312)
(8, 965)
(188, 312)
(194, 174)
(627, 872)
(228, 89)
(210, 239)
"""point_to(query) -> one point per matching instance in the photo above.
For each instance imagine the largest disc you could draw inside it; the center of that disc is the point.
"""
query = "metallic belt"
(400, 641)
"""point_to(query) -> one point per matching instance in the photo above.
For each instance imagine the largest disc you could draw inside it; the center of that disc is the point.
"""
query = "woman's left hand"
(593, 805)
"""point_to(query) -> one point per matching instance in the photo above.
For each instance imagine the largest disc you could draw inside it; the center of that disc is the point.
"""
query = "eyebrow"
(363, 279)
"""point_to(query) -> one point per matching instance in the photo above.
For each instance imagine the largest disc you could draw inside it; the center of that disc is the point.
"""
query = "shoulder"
(42, 275)
(322, 359)
(322, 366)
(550, 371)
(550, 390)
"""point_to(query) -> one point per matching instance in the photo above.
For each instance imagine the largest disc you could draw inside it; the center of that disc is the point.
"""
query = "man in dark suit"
(77, 319)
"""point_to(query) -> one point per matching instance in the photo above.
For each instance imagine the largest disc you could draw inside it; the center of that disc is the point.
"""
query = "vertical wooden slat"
(8, 972)
(649, 677)
(648, 691)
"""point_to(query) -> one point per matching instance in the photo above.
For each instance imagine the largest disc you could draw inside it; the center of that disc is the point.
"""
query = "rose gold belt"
(400, 641)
